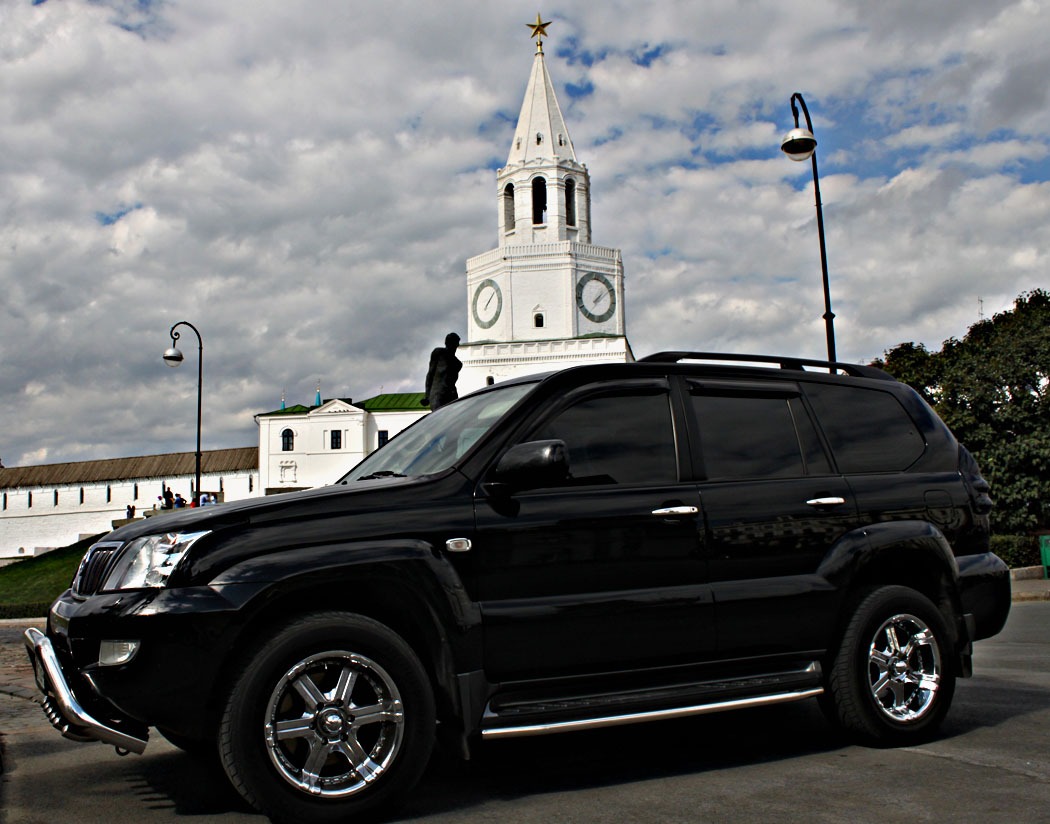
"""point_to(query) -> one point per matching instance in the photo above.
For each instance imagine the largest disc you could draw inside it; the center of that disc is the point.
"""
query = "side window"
(617, 439)
(287, 440)
(868, 430)
(751, 436)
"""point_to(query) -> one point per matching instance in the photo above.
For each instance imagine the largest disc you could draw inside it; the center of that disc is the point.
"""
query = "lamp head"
(172, 356)
(799, 144)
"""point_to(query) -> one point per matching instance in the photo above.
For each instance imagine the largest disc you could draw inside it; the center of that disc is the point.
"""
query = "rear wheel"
(891, 682)
(332, 717)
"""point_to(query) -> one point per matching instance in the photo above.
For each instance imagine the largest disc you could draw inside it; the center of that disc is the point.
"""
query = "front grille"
(93, 568)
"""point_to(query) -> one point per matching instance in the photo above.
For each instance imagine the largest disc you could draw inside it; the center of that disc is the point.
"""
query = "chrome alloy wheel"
(904, 668)
(334, 724)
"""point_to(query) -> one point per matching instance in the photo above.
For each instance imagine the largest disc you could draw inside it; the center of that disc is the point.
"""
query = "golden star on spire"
(539, 30)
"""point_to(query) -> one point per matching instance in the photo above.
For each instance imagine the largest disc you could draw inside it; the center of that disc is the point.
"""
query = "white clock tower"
(545, 298)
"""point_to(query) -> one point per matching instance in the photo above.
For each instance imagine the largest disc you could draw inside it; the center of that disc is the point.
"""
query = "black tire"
(891, 681)
(331, 717)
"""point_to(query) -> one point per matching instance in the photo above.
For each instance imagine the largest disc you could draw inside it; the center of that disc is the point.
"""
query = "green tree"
(993, 389)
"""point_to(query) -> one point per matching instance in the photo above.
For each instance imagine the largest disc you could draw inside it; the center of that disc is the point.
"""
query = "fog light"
(115, 653)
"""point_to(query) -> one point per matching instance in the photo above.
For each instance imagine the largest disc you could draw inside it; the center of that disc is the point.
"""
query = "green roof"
(394, 402)
(389, 402)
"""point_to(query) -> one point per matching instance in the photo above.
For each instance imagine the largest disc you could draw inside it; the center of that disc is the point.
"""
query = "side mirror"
(531, 465)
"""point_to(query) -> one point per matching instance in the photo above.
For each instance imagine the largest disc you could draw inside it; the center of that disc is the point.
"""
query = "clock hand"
(491, 296)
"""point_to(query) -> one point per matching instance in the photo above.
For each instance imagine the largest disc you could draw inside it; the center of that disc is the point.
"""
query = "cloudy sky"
(304, 180)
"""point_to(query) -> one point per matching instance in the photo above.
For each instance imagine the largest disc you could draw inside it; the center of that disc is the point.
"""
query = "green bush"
(1017, 550)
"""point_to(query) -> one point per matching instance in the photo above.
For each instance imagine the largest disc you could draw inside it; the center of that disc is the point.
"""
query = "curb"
(1030, 596)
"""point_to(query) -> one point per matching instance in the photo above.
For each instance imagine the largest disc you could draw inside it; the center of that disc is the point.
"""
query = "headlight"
(148, 561)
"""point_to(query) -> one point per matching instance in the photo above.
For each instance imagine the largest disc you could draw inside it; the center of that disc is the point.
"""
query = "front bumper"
(66, 713)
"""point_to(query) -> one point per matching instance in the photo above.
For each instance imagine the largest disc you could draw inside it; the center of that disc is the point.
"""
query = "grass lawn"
(28, 587)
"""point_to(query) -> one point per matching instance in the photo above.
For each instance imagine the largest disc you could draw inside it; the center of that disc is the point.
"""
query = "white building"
(53, 505)
(545, 298)
(307, 446)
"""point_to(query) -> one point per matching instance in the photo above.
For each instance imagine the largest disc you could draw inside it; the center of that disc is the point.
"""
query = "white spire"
(541, 132)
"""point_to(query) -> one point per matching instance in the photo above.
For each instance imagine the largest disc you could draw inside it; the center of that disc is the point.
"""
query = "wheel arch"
(913, 554)
(406, 596)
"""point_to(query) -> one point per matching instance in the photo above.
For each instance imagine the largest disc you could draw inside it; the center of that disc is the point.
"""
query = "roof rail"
(855, 370)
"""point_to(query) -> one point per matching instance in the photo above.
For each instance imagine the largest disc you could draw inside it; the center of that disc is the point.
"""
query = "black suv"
(603, 545)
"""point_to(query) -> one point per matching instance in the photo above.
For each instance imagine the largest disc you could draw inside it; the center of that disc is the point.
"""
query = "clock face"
(595, 297)
(487, 303)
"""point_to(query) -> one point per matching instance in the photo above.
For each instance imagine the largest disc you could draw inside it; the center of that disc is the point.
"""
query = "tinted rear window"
(868, 430)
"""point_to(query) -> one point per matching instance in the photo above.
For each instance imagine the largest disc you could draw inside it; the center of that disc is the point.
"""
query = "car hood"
(249, 510)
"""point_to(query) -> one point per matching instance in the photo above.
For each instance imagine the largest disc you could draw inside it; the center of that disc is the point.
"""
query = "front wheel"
(891, 682)
(331, 717)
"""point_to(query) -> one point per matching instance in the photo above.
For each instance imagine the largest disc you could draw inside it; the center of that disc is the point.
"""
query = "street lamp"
(173, 357)
(800, 144)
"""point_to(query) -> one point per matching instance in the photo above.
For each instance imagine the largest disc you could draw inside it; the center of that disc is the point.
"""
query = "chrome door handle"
(833, 501)
(676, 510)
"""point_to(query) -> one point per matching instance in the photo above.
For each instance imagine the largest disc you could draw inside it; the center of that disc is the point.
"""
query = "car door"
(772, 509)
(602, 572)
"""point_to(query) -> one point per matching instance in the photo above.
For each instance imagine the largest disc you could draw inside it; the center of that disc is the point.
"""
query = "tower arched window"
(287, 440)
(539, 200)
(570, 202)
(508, 207)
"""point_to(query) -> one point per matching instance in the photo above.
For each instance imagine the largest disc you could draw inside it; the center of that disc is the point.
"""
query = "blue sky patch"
(109, 218)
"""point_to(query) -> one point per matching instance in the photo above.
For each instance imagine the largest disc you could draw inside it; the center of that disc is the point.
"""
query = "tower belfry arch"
(545, 298)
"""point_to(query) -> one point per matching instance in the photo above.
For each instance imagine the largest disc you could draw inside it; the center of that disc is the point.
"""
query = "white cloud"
(304, 181)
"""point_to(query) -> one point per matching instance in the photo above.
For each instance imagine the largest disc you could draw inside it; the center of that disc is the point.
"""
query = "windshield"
(441, 438)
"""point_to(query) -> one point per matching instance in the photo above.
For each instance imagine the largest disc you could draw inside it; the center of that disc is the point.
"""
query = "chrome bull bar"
(60, 704)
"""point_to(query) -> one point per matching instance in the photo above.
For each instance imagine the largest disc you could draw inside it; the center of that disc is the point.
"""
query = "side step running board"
(651, 715)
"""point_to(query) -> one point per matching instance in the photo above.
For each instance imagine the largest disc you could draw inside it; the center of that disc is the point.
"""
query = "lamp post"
(173, 357)
(800, 144)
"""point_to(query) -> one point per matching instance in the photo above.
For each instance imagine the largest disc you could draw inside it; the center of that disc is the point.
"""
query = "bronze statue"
(443, 373)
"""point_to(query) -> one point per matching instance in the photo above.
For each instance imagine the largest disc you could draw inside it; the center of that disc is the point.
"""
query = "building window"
(537, 320)
(136, 495)
(539, 139)
(508, 208)
(384, 436)
(489, 380)
(222, 485)
(539, 200)
(29, 501)
(56, 497)
(337, 439)
(570, 202)
(5, 500)
(109, 494)
(287, 440)
(81, 494)
(251, 483)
